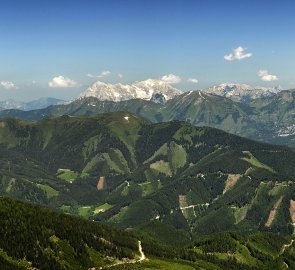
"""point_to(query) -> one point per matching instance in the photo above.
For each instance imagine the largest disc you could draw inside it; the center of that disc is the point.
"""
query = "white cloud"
(238, 54)
(265, 76)
(120, 75)
(192, 80)
(171, 78)
(7, 85)
(62, 82)
(101, 75)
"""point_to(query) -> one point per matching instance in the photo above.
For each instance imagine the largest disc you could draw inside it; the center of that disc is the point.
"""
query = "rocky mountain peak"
(242, 92)
(138, 90)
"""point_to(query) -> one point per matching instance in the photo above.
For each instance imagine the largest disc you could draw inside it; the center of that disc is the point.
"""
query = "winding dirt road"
(141, 258)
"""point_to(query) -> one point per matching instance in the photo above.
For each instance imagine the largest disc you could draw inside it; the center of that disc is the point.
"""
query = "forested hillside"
(36, 238)
(165, 179)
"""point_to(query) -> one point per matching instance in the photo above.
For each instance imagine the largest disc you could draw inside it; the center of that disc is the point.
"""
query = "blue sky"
(66, 40)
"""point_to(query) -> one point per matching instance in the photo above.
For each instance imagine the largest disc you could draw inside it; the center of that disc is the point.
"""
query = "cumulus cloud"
(120, 75)
(62, 82)
(171, 78)
(100, 75)
(238, 54)
(7, 85)
(192, 80)
(265, 76)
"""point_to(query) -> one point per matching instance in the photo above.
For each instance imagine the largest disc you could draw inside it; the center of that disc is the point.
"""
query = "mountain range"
(269, 119)
(148, 88)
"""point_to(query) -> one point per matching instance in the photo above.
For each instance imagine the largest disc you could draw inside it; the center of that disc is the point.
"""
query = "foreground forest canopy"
(36, 238)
